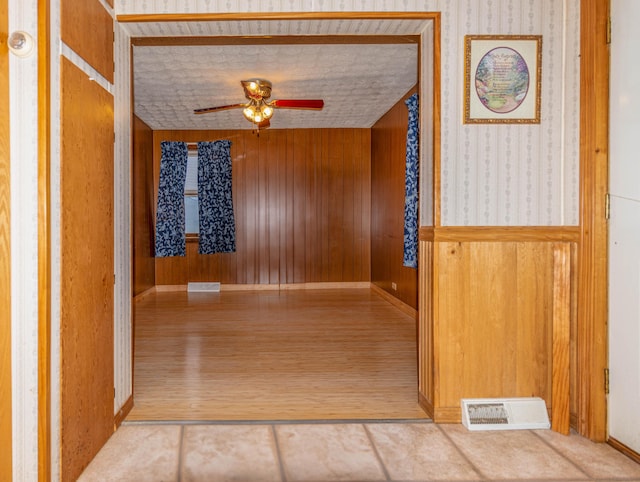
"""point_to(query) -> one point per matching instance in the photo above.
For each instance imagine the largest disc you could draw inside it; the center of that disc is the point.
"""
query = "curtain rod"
(194, 145)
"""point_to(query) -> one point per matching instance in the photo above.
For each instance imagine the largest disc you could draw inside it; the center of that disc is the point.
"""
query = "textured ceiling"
(358, 82)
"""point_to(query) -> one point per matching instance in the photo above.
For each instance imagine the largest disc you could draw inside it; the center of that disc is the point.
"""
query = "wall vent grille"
(203, 287)
(504, 413)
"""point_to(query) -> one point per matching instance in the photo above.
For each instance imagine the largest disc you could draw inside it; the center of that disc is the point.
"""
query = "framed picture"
(502, 79)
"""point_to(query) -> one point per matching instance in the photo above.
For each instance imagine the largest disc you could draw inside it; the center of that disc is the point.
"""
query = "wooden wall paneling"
(299, 160)
(335, 204)
(388, 159)
(239, 173)
(534, 335)
(87, 412)
(203, 267)
(262, 234)
(323, 218)
(173, 270)
(573, 370)
(87, 28)
(425, 328)
(452, 290)
(286, 192)
(312, 264)
(365, 206)
(276, 148)
(498, 307)
(489, 359)
(143, 225)
(349, 180)
(5, 254)
(302, 208)
(560, 415)
(253, 234)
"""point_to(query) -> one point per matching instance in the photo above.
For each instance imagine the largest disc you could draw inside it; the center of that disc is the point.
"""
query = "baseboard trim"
(296, 286)
(447, 415)
(144, 294)
(160, 288)
(425, 405)
(620, 447)
(401, 305)
(268, 287)
(123, 412)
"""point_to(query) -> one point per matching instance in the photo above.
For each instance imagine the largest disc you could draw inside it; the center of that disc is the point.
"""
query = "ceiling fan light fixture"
(258, 110)
(266, 110)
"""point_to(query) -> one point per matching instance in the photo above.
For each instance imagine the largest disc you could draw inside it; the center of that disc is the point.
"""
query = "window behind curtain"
(191, 194)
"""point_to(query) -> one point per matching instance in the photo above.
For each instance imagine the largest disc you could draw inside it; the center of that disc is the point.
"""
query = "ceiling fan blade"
(206, 110)
(298, 103)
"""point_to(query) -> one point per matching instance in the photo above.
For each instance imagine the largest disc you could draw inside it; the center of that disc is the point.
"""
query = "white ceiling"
(358, 82)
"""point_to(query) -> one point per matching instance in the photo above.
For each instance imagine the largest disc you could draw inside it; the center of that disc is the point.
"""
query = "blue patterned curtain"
(170, 236)
(410, 256)
(215, 201)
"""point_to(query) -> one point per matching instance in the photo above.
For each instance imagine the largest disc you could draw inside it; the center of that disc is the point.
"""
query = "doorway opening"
(344, 296)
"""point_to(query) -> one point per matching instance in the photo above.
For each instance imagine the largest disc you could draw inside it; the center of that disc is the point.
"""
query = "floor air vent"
(504, 413)
(212, 287)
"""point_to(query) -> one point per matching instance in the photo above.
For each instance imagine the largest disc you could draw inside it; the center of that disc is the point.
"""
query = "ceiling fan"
(259, 109)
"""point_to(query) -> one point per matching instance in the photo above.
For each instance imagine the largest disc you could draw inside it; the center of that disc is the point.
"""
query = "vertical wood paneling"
(299, 143)
(388, 160)
(143, 236)
(560, 417)
(87, 277)
(87, 28)
(496, 308)
(533, 340)
(425, 328)
(302, 207)
(348, 209)
(5, 254)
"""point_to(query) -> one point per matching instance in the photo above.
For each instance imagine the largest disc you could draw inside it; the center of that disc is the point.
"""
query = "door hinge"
(606, 381)
(608, 30)
(607, 206)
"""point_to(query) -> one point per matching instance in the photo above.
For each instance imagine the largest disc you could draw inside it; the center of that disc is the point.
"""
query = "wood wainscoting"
(497, 316)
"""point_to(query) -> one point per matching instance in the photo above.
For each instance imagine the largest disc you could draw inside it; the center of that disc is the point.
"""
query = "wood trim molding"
(6, 454)
(561, 338)
(244, 16)
(437, 115)
(594, 164)
(500, 233)
(277, 40)
(44, 243)
(405, 308)
(425, 404)
(620, 447)
(123, 412)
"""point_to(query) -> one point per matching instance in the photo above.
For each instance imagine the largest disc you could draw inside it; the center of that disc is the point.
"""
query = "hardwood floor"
(273, 355)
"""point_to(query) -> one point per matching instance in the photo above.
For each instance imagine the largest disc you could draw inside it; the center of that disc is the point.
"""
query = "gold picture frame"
(502, 79)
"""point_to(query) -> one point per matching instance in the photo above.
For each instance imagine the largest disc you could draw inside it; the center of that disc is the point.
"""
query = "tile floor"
(396, 451)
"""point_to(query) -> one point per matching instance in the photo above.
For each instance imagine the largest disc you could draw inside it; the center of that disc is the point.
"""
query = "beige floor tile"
(137, 453)
(229, 452)
(599, 460)
(328, 452)
(512, 454)
(419, 452)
